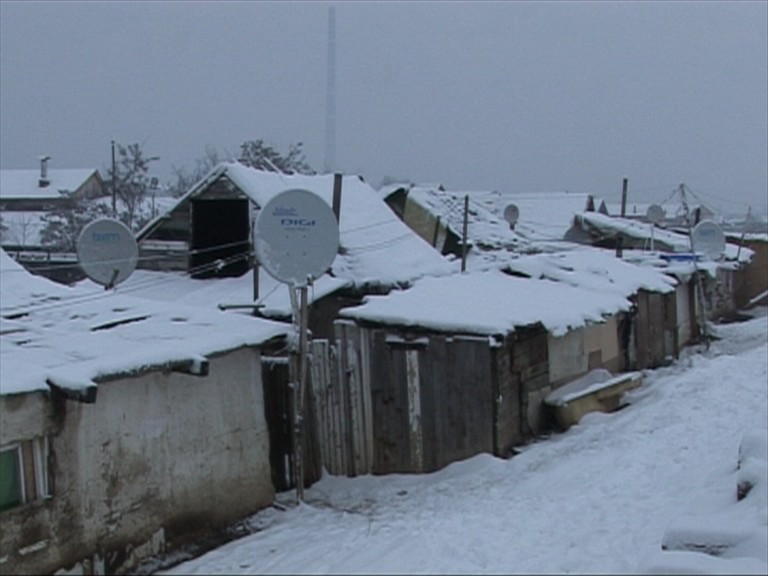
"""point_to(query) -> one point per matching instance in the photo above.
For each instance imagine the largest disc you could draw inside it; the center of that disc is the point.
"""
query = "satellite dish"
(511, 214)
(297, 237)
(655, 214)
(107, 251)
(708, 239)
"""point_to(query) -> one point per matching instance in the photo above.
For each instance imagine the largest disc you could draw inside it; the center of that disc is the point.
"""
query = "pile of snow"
(731, 539)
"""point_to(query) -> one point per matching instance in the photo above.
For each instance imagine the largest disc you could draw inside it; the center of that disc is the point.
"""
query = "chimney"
(43, 181)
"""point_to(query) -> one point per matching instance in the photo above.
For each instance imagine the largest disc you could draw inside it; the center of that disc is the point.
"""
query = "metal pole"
(464, 235)
(301, 394)
(337, 196)
(114, 183)
(699, 286)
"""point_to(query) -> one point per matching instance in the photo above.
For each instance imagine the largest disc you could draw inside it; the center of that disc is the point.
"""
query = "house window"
(24, 474)
(11, 481)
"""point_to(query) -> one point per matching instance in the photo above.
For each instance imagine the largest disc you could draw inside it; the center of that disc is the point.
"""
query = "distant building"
(26, 196)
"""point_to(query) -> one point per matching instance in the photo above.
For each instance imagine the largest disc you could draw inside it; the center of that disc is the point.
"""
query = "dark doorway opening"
(220, 238)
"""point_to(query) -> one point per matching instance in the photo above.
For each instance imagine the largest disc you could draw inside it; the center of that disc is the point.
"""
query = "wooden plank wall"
(342, 403)
(457, 399)
(530, 365)
(508, 418)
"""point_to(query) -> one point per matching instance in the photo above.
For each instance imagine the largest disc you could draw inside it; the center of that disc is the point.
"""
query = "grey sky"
(514, 96)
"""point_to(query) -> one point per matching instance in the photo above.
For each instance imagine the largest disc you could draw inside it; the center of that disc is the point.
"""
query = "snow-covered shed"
(459, 365)
(127, 425)
(721, 279)
(645, 336)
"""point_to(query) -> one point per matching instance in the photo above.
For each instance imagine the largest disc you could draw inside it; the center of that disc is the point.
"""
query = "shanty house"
(128, 426)
(720, 278)
(455, 366)
(206, 238)
(642, 337)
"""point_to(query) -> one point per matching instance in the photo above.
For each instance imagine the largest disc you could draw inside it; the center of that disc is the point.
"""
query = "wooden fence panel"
(343, 402)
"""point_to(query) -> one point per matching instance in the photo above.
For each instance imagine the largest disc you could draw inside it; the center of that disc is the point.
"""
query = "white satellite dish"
(655, 214)
(297, 237)
(511, 214)
(107, 251)
(708, 239)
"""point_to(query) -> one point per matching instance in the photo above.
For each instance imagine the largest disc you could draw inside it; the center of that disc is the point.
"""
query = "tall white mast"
(330, 111)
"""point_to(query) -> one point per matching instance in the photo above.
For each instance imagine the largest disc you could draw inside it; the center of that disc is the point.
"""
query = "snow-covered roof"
(16, 184)
(74, 336)
(375, 246)
(236, 293)
(678, 243)
(544, 218)
(489, 303)
(593, 269)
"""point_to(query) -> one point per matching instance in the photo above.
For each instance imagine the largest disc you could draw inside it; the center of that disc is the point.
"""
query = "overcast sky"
(512, 96)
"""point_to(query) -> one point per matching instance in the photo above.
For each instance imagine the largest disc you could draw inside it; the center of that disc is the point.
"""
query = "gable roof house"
(26, 196)
(46, 189)
(209, 232)
(459, 365)
(128, 426)
(437, 215)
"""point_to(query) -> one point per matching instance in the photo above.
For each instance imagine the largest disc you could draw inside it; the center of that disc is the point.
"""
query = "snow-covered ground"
(599, 498)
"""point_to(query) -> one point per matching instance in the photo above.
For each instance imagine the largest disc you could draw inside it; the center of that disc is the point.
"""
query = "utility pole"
(114, 183)
(464, 235)
(620, 239)
(330, 99)
(337, 179)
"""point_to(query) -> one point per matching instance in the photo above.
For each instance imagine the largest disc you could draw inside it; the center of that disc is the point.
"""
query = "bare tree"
(18, 229)
(131, 181)
(258, 154)
(185, 179)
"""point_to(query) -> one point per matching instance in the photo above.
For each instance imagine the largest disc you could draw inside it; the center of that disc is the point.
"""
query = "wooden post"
(743, 232)
(620, 239)
(255, 262)
(464, 235)
(337, 196)
(301, 393)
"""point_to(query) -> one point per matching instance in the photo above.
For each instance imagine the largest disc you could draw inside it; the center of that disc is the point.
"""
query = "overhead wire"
(78, 299)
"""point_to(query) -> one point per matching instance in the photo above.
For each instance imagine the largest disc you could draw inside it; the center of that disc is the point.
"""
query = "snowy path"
(596, 499)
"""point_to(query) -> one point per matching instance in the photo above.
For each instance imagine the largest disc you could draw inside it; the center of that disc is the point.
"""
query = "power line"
(88, 297)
